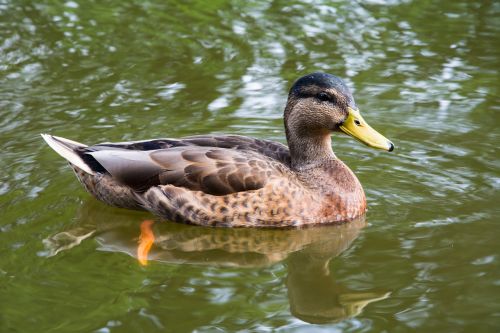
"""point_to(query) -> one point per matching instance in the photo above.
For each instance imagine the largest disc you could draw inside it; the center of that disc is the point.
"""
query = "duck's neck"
(310, 145)
(309, 150)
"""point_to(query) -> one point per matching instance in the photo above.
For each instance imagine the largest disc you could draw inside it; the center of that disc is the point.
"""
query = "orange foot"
(146, 240)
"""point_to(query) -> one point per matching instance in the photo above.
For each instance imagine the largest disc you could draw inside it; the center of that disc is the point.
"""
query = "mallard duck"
(238, 181)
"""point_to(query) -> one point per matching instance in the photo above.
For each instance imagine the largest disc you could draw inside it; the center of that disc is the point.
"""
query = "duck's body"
(231, 180)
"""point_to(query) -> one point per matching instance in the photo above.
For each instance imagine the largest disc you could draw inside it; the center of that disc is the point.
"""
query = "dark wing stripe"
(132, 168)
(274, 150)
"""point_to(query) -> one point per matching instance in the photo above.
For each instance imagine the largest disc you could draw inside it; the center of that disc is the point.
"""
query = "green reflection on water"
(424, 73)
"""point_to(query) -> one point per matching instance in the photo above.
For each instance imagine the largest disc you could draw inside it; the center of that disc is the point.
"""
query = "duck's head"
(321, 103)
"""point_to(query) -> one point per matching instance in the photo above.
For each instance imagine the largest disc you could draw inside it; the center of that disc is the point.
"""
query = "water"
(425, 74)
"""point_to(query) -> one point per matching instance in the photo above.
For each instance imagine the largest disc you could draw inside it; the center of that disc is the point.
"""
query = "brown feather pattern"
(232, 180)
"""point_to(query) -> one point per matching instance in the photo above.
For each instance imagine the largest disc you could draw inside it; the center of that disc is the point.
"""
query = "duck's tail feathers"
(67, 149)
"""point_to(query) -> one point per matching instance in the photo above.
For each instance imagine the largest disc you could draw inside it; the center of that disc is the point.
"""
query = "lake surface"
(423, 73)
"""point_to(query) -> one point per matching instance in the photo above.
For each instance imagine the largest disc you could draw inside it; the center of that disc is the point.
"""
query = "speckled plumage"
(231, 180)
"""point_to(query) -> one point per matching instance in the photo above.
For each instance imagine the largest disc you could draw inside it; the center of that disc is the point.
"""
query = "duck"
(239, 181)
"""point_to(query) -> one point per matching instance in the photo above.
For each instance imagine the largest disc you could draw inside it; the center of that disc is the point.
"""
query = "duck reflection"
(313, 293)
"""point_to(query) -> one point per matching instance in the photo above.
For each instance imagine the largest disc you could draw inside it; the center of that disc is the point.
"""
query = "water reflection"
(314, 295)
(313, 292)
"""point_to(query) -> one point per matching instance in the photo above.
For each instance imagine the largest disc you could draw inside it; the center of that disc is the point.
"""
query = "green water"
(424, 73)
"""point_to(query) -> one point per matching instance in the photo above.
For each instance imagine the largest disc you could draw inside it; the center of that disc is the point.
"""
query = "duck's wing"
(216, 171)
(271, 149)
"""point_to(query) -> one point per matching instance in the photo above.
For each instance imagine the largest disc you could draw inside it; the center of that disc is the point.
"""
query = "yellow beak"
(357, 127)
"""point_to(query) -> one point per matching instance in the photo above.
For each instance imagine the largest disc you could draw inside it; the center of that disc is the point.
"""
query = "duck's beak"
(357, 127)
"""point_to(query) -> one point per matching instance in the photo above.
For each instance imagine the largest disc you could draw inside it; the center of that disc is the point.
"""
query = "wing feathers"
(129, 167)
(216, 165)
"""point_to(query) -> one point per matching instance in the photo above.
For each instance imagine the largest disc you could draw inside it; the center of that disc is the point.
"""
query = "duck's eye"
(323, 97)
